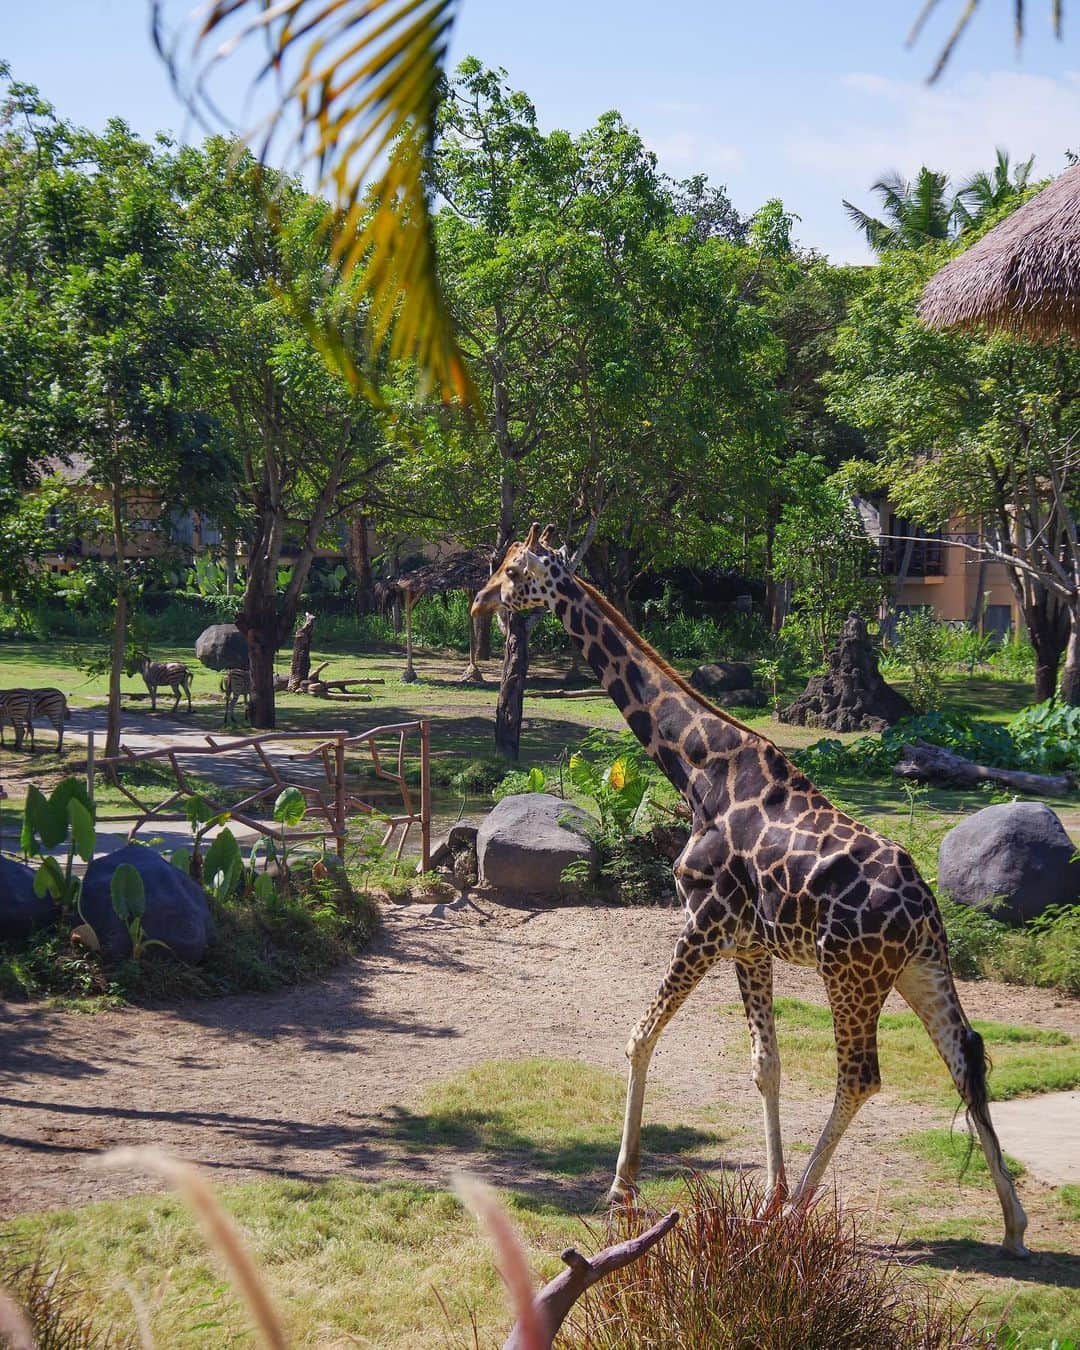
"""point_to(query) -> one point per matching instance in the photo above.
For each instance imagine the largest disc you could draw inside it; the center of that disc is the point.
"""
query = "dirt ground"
(309, 1082)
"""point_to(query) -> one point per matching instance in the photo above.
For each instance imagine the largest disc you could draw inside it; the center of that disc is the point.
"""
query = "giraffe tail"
(977, 1096)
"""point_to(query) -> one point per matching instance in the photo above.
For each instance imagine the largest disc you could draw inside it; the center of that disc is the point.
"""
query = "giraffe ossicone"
(771, 869)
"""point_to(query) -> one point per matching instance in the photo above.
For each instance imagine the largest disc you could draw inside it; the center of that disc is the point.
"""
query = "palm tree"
(915, 212)
(984, 193)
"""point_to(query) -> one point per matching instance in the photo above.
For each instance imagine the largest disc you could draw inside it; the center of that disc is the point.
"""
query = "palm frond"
(357, 85)
(967, 12)
(878, 235)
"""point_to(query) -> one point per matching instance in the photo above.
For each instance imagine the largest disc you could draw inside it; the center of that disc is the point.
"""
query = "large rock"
(528, 840)
(222, 646)
(177, 912)
(21, 911)
(721, 677)
(851, 695)
(1016, 854)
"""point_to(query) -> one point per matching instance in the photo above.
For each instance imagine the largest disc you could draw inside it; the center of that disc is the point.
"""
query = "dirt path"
(308, 1083)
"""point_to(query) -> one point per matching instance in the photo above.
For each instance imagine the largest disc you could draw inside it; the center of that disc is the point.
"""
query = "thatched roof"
(467, 571)
(1022, 276)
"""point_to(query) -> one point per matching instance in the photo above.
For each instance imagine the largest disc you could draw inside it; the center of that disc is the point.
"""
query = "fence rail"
(328, 797)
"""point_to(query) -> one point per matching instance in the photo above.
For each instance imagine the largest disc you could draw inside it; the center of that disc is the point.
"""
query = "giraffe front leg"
(687, 966)
(858, 1077)
(756, 987)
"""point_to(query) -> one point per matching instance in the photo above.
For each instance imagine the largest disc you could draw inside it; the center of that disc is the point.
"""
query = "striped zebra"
(173, 673)
(17, 707)
(51, 705)
(235, 685)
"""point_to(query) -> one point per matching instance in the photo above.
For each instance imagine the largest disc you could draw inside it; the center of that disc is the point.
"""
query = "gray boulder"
(177, 911)
(21, 911)
(527, 842)
(720, 677)
(222, 646)
(1017, 854)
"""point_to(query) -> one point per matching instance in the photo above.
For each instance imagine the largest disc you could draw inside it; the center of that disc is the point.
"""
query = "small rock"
(21, 911)
(177, 911)
(528, 841)
(222, 646)
(720, 677)
(1016, 854)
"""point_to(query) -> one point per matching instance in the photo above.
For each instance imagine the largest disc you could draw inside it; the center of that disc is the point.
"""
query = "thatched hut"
(1023, 276)
(467, 571)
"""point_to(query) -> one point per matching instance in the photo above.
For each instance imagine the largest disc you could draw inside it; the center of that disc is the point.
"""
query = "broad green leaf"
(181, 859)
(223, 857)
(82, 829)
(536, 780)
(49, 879)
(68, 790)
(47, 827)
(290, 807)
(199, 811)
(128, 893)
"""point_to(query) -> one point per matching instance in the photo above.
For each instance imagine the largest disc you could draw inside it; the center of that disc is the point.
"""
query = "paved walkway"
(1044, 1134)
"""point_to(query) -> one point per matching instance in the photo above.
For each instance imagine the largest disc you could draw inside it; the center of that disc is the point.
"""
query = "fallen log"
(935, 764)
(565, 693)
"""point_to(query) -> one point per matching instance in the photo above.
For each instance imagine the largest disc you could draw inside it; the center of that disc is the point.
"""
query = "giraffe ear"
(532, 562)
(530, 538)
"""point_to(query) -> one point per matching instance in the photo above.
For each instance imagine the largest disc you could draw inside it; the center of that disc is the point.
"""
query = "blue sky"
(805, 100)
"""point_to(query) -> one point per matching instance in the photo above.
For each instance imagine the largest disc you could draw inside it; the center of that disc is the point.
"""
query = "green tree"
(985, 193)
(308, 449)
(978, 429)
(915, 212)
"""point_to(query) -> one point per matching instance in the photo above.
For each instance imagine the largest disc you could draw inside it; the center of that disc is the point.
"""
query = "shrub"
(1044, 952)
(869, 756)
(1047, 737)
(732, 1274)
(922, 646)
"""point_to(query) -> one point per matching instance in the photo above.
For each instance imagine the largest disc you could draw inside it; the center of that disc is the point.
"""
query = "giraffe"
(771, 870)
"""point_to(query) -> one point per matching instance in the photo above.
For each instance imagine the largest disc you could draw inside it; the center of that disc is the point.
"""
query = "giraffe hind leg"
(858, 1077)
(756, 987)
(927, 986)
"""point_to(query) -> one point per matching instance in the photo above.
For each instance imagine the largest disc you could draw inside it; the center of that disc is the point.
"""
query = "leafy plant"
(620, 790)
(223, 866)
(66, 815)
(921, 644)
(519, 781)
(1047, 736)
(290, 808)
(129, 905)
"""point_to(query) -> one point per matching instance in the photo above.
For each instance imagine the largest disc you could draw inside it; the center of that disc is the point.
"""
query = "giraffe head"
(525, 579)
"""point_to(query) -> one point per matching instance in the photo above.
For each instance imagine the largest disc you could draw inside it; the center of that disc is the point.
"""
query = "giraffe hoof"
(1014, 1250)
(621, 1195)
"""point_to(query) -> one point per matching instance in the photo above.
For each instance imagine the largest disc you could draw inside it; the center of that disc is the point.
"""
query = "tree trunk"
(1070, 675)
(119, 639)
(301, 654)
(360, 564)
(511, 702)
(262, 649)
(116, 669)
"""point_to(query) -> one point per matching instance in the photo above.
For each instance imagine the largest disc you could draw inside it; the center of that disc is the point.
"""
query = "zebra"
(17, 707)
(53, 706)
(236, 684)
(173, 673)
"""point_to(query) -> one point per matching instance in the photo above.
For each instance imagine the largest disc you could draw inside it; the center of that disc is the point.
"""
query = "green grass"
(1026, 1060)
(1068, 1198)
(948, 1151)
(348, 1262)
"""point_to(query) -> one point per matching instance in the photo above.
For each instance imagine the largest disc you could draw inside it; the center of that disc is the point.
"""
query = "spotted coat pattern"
(771, 869)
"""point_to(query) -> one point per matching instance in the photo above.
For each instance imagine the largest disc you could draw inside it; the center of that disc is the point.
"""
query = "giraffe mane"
(629, 631)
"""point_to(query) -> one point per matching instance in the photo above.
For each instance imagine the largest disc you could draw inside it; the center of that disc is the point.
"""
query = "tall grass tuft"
(39, 1296)
(735, 1273)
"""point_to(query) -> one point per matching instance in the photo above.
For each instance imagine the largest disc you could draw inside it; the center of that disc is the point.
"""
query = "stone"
(1017, 855)
(529, 839)
(741, 698)
(720, 677)
(460, 838)
(222, 646)
(21, 911)
(177, 910)
(851, 695)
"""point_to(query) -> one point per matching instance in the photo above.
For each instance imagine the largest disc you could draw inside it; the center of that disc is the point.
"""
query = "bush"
(1047, 737)
(922, 646)
(731, 1275)
(1044, 952)
(870, 756)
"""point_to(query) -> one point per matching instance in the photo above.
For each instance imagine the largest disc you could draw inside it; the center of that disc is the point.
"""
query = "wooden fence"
(329, 797)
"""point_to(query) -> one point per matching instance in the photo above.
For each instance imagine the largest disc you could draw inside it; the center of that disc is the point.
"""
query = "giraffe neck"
(681, 734)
